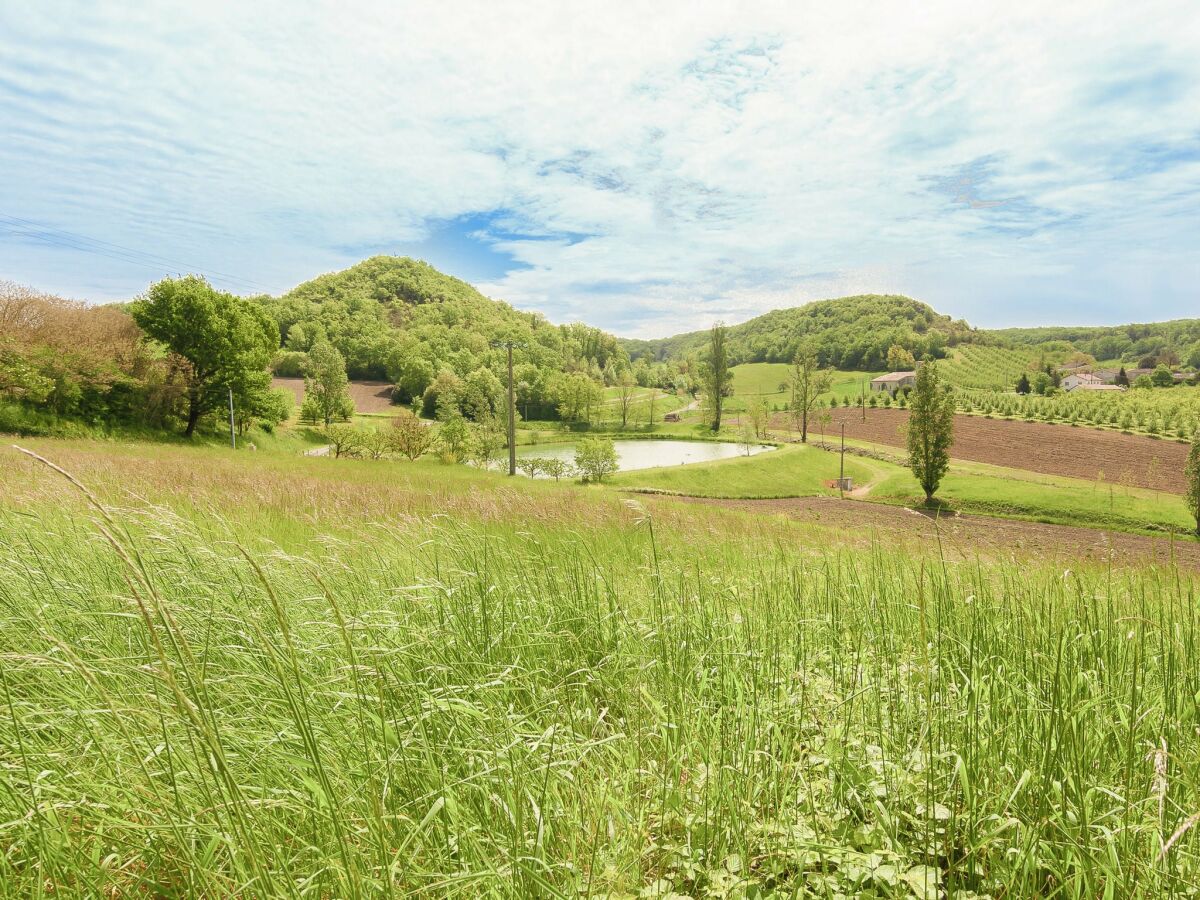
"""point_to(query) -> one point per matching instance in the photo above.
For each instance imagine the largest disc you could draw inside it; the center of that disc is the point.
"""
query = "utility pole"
(512, 405)
(862, 397)
(232, 433)
(842, 464)
(512, 418)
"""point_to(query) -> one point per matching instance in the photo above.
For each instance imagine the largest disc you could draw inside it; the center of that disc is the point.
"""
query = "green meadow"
(259, 674)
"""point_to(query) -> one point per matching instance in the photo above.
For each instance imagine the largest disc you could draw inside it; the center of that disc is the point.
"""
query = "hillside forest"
(176, 357)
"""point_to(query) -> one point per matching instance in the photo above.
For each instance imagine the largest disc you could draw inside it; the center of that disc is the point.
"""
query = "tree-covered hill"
(1175, 342)
(431, 334)
(847, 333)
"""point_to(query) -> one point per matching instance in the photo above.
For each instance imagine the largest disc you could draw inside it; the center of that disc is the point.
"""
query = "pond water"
(635, 454)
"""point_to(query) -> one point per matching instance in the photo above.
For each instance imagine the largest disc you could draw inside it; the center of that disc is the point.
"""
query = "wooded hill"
(402, 320)
(848, 333)
(435, 337)
(856, 332)
(1176, 342)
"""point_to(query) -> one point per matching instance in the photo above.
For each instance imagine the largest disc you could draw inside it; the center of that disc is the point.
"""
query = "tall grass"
(456, 706)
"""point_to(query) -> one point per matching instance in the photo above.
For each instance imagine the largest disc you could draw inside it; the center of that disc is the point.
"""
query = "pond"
(636, 454)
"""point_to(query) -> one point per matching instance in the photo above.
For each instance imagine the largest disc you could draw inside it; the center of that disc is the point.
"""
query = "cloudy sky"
(646, 171)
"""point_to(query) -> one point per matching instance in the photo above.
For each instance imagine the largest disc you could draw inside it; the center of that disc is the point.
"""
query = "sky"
(647, 168)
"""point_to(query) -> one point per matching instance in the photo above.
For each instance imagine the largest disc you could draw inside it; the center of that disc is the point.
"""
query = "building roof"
(892, 376)
(1086, 378)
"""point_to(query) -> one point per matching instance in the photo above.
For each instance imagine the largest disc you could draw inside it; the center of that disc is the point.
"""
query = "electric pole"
(232, 433)
(512, 405)
(512, 418)
(842, 464)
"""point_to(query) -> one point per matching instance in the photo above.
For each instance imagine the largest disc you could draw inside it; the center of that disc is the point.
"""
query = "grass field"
(790, 471)
(256, 674)
(764, 379)
(992, 490)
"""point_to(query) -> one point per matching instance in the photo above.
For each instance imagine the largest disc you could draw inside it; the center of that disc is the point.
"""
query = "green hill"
(848, 332)
(402, 320)
(1175, 342)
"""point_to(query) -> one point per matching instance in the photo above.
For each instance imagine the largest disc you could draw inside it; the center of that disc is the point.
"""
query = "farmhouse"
(1079, 380)
(893, 382)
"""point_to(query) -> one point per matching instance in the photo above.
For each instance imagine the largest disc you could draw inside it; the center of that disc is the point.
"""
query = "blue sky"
(648, 171)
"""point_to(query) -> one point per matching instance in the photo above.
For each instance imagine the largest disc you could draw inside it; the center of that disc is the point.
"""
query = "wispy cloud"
(648, 171)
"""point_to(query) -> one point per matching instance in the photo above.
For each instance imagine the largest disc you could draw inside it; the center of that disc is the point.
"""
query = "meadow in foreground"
(261, 676)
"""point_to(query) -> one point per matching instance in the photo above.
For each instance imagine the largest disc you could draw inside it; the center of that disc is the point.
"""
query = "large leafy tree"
(807, 382)
(223, 338)
(326, 386)
(716, 379)
(1192, 476)
(930, 429)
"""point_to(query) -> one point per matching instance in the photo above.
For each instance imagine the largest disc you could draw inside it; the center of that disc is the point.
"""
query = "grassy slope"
(763, 379)
(531, 694)
(994, 490)
(790, 471)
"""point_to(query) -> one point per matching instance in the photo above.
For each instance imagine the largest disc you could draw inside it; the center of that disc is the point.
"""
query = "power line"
(59, 237)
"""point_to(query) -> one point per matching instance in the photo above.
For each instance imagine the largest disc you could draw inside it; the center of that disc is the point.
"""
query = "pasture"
(263, 674)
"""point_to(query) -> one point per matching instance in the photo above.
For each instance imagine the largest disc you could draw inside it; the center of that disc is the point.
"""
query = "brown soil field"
(970, 537)
(1035, 446)
(368, 396)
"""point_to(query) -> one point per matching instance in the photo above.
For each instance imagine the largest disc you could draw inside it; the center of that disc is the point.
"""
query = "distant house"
(893, 381)
(1081, 379)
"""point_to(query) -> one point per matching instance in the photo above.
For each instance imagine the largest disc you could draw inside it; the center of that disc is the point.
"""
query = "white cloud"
(694, 161)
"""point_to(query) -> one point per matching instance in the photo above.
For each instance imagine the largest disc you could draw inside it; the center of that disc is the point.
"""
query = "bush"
(409, 436)
(596, 458)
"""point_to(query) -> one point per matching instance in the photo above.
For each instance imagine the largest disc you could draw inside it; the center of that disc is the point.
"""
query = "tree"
(930, 429)
(1143, 382)
(760, 416)
(1162, 377)
(1192, 477)
(409, 436)
(488, 439)
(219, 335)
(748, 439)
(325, 382)
(266, 406)
(454, 438)
(343, 440)
(1122, 378)
(626, 391)
(575, 395)
(595, 458)
(1023, 384)
(556, 468)
(530, 465)
(715, 378)
(900, 360)
(807, 383)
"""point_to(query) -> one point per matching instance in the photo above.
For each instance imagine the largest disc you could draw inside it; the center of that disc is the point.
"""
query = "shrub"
(409, 436)
(596, 458)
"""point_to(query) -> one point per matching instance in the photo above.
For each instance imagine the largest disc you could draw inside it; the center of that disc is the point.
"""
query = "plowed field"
(368, 396)
(1035, 446)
